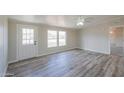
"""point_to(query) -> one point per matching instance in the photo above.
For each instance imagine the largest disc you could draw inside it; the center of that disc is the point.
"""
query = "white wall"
(3, 45)
(42, 39)
(95, 38)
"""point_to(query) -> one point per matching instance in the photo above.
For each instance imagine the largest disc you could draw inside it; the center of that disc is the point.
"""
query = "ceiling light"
(111, 32)
(80, 23)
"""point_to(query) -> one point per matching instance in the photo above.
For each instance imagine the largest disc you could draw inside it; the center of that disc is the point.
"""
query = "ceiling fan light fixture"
(80, 23)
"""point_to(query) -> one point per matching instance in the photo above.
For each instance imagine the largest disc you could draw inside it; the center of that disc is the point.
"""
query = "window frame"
(57, 38)
(64, 38)
(27, 36)
(48, 39)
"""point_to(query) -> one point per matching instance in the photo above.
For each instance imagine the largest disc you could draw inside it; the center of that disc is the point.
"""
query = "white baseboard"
(54, 52)
(39, 55)
(61, 51)
(96, 51)
(12, 61)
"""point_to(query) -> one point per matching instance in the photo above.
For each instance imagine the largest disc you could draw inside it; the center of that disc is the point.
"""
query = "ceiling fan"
(81, 20)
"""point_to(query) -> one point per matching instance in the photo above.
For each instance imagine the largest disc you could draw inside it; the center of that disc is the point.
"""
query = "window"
(52, 38)
(56, 38)
(62, 38)
(27, 36)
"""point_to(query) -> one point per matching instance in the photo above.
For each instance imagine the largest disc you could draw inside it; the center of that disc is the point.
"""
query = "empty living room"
(62, 46)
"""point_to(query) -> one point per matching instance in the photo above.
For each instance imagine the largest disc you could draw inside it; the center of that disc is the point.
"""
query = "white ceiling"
(68, 21)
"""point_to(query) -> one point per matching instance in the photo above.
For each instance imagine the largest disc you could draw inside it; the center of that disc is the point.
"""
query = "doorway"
(27, 42)
(117, 41)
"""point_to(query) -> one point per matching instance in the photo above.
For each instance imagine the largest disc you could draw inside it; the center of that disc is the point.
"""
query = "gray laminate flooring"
(73, 63)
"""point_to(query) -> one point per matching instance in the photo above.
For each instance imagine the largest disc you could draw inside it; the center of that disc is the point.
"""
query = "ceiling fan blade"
(89, 19)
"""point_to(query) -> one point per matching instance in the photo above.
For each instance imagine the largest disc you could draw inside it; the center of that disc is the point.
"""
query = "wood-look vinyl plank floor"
(73, 63)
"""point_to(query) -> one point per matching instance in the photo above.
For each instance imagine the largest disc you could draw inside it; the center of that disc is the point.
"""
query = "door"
(27, 42)
(117, 43)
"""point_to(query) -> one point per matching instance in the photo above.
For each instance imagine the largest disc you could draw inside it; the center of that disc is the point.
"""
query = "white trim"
(95, 51)
(9, 62)
(55, 52)
(37, 41)
(40, 55)
(17, 44)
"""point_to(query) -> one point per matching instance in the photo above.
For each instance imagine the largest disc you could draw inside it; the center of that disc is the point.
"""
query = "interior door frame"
(17, 40)
(109, 36)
